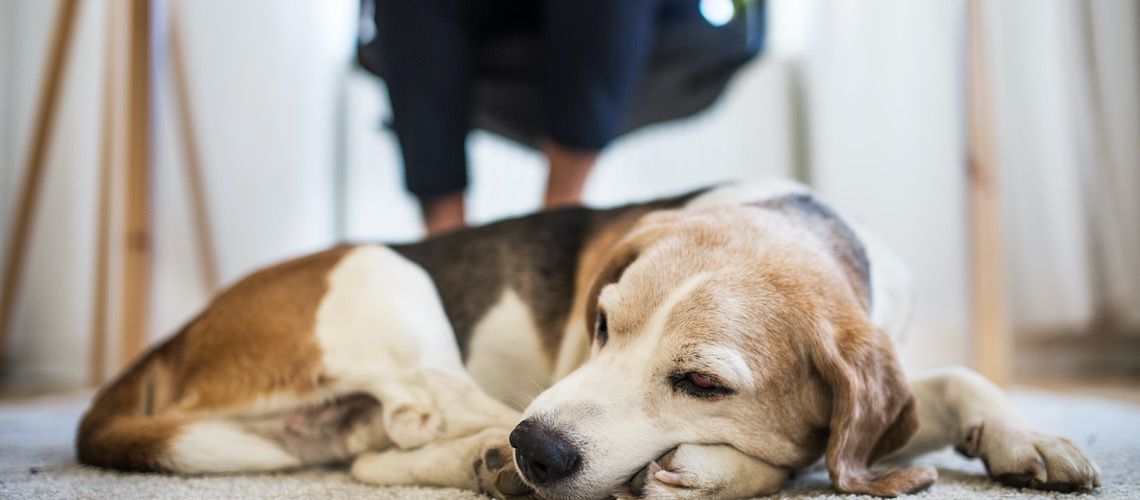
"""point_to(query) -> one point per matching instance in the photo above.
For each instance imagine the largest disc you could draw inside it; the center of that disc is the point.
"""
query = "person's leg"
(425, 54)
(443, 213)
(595, 52)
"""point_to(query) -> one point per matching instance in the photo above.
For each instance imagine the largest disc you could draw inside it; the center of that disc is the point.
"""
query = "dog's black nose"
(542, 454)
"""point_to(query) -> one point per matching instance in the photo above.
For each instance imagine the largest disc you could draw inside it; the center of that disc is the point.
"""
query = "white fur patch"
(214, 446)
(382, 317)
(505, 354)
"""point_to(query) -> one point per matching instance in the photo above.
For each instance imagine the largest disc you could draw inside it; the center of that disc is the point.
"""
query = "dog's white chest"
(505, 354)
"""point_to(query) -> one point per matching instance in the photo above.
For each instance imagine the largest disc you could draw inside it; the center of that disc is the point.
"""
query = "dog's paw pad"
(496, 473)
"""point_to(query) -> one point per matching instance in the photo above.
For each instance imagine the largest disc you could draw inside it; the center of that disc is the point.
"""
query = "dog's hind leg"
(959, 407)
(482, 462)
(213, 446)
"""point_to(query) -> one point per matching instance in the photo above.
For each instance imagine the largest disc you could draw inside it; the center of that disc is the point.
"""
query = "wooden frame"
(97, 366)
(61, 42)
(132, 243)
(136, 213)
(992, 339)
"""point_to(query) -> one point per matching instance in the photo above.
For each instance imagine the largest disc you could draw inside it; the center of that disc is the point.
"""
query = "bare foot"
(569, 169)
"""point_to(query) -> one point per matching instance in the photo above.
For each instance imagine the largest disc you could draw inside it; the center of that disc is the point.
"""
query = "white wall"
(263, 81)
(883, 86)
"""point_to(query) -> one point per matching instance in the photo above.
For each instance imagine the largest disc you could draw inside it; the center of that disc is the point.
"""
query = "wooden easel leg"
(97, 365)
(137, 208)
(206, 248)
(992, 346)
(34, 168)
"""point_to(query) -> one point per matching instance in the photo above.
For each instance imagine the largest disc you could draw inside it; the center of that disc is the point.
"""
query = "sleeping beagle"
(703, 346)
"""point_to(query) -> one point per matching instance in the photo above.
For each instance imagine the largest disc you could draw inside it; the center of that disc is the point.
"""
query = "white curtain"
(884, 141)
(1068, 104)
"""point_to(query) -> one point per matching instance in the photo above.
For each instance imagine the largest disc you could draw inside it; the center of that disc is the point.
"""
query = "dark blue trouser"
(593, 53)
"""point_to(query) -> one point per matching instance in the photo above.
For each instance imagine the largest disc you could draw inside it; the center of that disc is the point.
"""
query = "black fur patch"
(536, 256)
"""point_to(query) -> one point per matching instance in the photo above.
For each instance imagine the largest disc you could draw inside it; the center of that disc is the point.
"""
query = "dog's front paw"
(1025, 458)
(678, 474)
(658, 482)
(496, 473)
(705, 471)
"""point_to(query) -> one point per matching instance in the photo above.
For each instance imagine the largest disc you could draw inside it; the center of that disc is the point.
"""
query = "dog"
(701, 346)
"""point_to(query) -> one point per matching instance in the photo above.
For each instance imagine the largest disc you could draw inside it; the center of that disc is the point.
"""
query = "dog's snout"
(543, 455)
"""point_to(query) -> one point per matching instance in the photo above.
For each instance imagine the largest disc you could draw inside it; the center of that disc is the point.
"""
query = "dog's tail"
(122, 429)
(139, 423)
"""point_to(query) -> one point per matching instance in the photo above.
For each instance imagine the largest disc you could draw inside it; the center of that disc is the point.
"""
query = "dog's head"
(744, 325)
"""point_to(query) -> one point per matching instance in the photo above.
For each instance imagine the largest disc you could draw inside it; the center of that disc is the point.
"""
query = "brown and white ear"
(873, 412)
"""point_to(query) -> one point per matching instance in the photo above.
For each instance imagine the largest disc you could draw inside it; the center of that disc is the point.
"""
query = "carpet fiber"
(37, 460)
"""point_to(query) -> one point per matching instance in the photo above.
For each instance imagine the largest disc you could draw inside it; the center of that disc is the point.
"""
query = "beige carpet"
(36, 461)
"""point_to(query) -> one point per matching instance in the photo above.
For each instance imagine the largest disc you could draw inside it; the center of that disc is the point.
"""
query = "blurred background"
(995, 145)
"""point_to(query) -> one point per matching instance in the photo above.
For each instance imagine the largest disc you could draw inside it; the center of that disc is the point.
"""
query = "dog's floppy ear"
(872, 413)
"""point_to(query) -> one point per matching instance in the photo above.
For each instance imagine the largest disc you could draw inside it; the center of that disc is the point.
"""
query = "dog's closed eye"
(700, 385)
(603, 329)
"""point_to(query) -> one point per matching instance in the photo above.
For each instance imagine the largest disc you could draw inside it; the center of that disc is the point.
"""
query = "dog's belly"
(505, 354)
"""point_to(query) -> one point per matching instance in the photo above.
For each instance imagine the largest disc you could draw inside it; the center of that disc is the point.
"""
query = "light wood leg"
(97, 365)
(992, 344)
(137, 209)
(34, 167)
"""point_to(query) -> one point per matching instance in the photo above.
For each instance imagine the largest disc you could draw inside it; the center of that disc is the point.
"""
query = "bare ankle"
(443, 213)
(569, 170)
